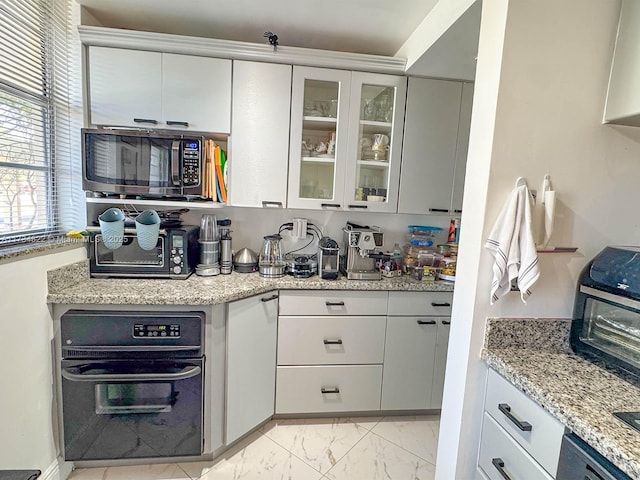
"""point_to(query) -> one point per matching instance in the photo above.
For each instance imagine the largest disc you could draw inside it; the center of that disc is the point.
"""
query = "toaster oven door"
(611, 324)
(129, 260)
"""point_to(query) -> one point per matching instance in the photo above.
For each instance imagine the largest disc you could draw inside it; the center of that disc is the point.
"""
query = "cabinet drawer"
(330, 340)
(323, 302)
(510, 408)
(308, 389)
(420, 303)
(498, 451)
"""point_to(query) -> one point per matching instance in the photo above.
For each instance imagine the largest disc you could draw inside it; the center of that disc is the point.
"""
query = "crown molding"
(210, 47)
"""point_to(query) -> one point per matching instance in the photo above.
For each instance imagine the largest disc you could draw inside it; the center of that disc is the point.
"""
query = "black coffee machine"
(328, 255)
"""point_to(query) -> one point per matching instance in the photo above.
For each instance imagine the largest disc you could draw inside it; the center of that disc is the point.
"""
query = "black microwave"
(142, 162)
(175, 256)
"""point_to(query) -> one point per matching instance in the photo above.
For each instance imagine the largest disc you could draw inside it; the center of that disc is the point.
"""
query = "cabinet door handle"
(499, 464)
(364, 207)
(330, 390)
(334, 304)
(268, 299)
(457, 211)
(446, 322)
(330, 205)
(439, 210)
(426, 322)
(145, 120)
(506, 410)
(440, 304)
(590, 470)
(268, 203)
(174, 122)
(332, 342)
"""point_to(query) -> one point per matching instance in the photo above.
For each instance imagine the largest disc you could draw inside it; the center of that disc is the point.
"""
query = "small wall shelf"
(191, 205)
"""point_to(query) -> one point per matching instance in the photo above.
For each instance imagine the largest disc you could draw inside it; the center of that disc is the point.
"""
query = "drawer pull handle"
(499, 464)
(145, 120)
(330, 390)
(426, 322)
(439, 210)
(440, 304)
(334, 304)
(268, 203)
(177, 123)
(364, 207)
(268, 299)
(330, 205)
(333, 342)
(590, 470)
(446, 322)
(506, 410)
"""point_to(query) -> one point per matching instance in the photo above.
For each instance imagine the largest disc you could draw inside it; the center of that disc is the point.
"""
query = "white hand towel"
(513, 247)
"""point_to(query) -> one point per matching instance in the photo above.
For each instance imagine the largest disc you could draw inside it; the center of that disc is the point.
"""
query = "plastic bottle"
(397, 256)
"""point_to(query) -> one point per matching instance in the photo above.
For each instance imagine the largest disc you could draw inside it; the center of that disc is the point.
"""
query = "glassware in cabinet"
(375, 140)
(318, 137)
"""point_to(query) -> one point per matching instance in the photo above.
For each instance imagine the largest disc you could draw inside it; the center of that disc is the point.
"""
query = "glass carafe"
(271, 263)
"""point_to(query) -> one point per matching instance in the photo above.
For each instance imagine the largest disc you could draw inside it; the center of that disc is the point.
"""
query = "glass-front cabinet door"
(319, 138)
(375, 142)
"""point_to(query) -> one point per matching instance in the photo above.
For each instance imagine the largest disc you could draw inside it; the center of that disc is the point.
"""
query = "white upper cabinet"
(260, 140)
(319, 130)
(462, 148)
(346, 137)
(125, 87)
(375, 141)
(196, 93)
(430, 147)
(135, 88)
(623, 96)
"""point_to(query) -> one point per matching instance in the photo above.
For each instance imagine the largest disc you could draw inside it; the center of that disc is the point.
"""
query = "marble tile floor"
(361, 448)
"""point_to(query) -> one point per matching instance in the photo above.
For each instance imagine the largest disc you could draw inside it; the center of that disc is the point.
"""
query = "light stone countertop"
(72, 285)
(579, 393)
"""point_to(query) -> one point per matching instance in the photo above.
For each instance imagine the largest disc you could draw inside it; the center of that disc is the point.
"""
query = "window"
(37, 176)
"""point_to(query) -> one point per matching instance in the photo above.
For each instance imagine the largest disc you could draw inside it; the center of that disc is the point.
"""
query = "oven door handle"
(183, 374)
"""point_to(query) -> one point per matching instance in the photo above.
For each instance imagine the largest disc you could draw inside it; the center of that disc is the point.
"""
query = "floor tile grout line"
(403, 448)
(299, 458)
(347, 453)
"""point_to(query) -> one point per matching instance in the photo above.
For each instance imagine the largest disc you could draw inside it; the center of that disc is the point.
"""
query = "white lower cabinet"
(501, 457)
(251, 363)
(408, 363)
(519, 438)
(415, 350)
(328, 388)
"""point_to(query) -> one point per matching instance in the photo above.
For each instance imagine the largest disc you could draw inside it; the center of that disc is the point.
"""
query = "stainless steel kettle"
(271, 263)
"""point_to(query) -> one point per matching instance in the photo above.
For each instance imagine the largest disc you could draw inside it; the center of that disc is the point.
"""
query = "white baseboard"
(58, 470)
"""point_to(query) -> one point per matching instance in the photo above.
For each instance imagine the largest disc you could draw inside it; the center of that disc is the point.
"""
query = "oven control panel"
(144, 330)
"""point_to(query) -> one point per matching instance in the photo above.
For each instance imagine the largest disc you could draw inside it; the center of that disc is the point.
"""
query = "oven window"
(119, 398)
(613, 329)
(129, 254)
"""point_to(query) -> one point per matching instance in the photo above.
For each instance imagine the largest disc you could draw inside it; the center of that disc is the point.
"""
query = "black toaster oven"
(606, 316)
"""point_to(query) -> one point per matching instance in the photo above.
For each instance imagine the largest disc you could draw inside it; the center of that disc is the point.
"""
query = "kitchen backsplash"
(249, 225)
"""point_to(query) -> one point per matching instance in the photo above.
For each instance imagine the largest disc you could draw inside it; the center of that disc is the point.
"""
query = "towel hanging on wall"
(512, 244)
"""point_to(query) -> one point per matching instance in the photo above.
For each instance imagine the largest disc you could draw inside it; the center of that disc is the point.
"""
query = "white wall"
(26, 416)
(550, 84)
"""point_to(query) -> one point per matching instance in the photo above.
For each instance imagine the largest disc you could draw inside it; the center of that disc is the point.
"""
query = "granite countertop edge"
(71, 285)
(611, 438)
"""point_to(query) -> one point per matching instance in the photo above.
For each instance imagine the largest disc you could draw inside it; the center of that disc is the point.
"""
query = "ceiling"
(377, 27)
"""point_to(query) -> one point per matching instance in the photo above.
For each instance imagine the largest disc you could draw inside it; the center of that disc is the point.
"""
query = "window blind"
(39, 181)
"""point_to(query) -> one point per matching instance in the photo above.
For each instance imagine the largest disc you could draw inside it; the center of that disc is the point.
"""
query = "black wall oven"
(132, 384)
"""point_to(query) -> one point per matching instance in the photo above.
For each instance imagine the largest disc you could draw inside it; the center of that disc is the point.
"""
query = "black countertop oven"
(606, 317)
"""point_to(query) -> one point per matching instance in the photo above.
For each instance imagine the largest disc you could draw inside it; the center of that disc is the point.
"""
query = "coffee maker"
(357, 260)
(328, 253)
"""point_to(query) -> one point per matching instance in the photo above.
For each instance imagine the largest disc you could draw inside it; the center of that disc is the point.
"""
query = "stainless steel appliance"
(175, 255)
(301, 265)
(271, 263)
(245, 261)
(606, 316)
(579, 461)
(131, 384)
(328, 258)
(357, 260)
(141, 162)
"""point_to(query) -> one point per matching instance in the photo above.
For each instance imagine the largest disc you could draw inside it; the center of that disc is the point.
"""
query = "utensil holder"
(112, 228)
(147, 229)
